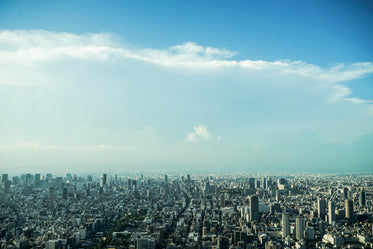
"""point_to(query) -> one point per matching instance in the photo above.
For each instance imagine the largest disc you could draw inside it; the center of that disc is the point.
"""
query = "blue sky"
(216, 85)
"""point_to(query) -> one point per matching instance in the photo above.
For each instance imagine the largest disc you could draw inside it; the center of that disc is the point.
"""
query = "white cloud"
(200, 134)
(281, 90)
(26, 47)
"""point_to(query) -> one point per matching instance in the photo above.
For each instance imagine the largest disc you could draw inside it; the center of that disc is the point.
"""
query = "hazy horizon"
(223, 86)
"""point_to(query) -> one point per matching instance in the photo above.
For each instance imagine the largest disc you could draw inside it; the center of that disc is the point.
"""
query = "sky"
(253, 86)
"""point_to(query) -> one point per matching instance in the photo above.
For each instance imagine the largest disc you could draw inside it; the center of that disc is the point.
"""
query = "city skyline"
(222, 86)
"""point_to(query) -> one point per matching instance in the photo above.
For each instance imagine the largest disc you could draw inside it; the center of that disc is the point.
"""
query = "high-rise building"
(321, 208)
(257, 184)
(345, 193)
(362, 198)
(285, 226)
(349, 209)
(264, 183)
(277, 195)
(331, 212)
(165, 178)
(4, 178)
(104, 179)
(251, 182)
(37, 180)
(299, 228)
(254, 208)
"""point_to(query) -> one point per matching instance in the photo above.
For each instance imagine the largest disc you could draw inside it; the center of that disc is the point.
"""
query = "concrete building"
(299, 228)
(254, 208)
(285, 226)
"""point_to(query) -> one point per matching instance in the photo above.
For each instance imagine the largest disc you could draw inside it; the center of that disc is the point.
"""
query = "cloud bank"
(53, 85)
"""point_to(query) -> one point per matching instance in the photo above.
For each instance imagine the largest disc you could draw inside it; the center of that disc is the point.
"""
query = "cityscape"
(191, 124)
(237, 211)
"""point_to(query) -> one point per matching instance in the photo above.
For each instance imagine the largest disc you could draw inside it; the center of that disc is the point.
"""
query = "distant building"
(345, 193)
(4, 178)
(254, 208)
(299, 228)
(252, 183)
(285, 226)
(349, 209)
(37, 180)
(331, 212)
(362, 198)
(321, 208)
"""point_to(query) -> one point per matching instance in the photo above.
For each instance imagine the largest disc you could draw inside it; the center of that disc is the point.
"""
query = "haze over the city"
(192, 85)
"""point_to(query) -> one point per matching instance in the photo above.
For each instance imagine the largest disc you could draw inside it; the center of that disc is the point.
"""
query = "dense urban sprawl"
(175, 211)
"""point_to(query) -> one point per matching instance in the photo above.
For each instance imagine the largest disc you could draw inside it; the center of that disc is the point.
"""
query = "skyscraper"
(104, 179)
(252, 183)
(349, 209)
(362, 198)
(4, 178)
(299, 228)
(37, 180)
(321, 208)
(254, 208)
(331, 212)
(345, 193)
(285, 226)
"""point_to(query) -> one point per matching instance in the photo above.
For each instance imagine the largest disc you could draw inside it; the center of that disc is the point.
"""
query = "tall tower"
(285, 226)
(345, 193)
(104, 179)
(321, 208)
(251, 182)
(349, 209)
(299, 232)
(254, 208)
(37, 180)
(362, 198)
(4, 178)
(331, 212)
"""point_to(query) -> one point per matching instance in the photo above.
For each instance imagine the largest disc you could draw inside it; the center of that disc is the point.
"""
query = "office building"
(349, 209)
(285, 226)
(331, 212)
(299, 228)
(254, 208)
(362, 198)
(321, 208)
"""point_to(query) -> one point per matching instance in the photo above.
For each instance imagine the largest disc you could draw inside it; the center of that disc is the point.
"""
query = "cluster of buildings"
(175, 211)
